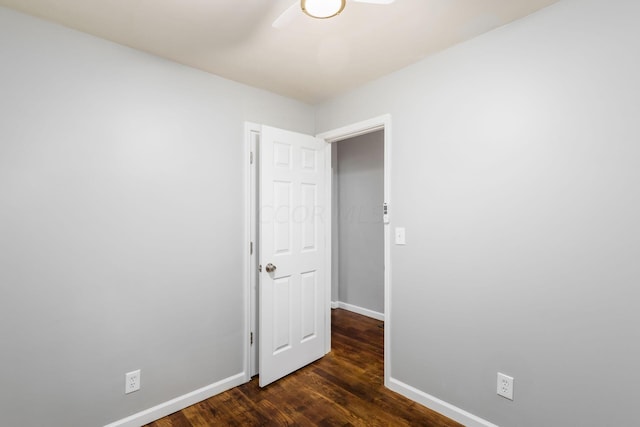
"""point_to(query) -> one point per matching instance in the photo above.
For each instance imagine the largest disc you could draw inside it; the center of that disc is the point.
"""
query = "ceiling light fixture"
(322, 9)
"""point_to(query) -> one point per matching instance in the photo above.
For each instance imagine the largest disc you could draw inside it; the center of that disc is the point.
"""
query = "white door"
(293, 219)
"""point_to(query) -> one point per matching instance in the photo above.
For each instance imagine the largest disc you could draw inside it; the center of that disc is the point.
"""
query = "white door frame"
(350, 131)
(251, 143)
(250, 261)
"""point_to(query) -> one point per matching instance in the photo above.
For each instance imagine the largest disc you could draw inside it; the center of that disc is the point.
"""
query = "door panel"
(308, 219)
(282, 314)
(282, 226)
(309, 304)
(292, 230)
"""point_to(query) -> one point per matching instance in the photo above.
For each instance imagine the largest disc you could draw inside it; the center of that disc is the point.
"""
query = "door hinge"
(250, 248)
(251, 338)
(251, 158)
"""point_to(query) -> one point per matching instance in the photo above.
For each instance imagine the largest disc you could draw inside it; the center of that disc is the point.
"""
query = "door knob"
(270, 268)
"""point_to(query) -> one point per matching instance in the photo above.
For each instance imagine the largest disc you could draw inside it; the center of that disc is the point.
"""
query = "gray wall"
(360, 164)
(121, 225)
(515, 172)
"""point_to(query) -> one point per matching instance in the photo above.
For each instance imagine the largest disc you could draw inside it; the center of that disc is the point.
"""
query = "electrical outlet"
(132, 381)
(505, 386)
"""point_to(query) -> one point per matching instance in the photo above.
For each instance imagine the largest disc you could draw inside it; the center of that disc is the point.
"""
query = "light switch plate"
(400, 236)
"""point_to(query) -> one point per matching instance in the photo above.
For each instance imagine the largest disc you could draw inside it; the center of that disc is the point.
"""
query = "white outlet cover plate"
(505, 386)
(132, 381)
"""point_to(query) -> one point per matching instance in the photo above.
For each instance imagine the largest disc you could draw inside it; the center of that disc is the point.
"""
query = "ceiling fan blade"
(287, 16)
(375, 1)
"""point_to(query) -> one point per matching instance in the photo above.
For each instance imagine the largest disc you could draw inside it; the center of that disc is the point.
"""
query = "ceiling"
(309, 60)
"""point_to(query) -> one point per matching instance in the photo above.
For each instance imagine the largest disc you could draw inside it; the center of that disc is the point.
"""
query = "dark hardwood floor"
(345, 388)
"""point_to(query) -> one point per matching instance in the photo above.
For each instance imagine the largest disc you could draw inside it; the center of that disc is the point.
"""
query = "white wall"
(121, 224)
(515, 172)
(360, 162)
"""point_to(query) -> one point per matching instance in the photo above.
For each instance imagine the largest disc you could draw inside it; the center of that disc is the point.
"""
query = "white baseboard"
(359, 310)
(334, 305)
(440, 406)
(181, 402)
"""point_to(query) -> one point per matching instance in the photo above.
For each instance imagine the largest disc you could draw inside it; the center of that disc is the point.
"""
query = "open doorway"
(380, 123)
(357, 224)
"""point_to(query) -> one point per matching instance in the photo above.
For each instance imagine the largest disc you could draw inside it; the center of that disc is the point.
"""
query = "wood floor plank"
(345, 388)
